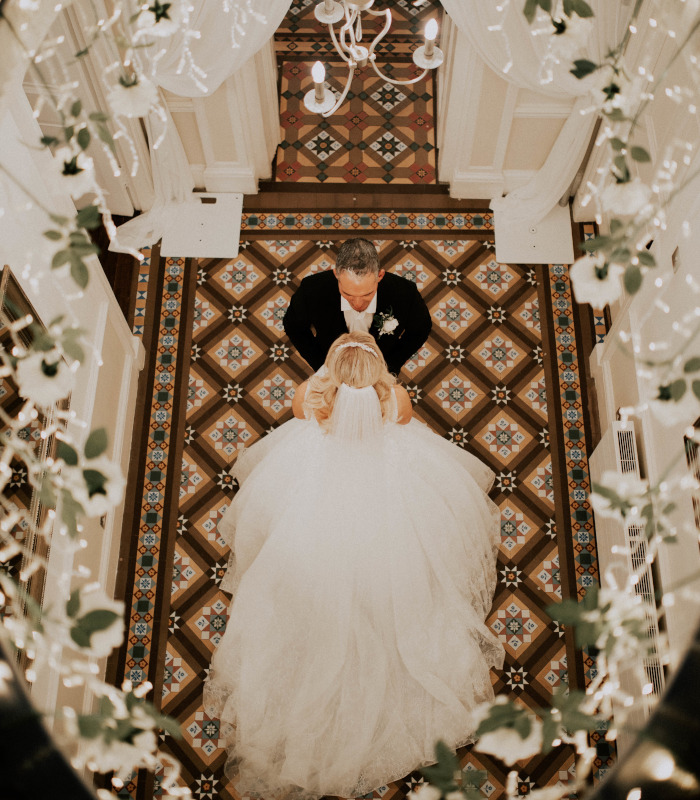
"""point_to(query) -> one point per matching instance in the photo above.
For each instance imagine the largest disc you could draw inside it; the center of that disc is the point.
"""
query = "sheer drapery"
(516, 49)
(227, 40)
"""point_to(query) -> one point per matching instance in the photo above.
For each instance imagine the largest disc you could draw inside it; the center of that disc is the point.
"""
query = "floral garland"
(80, 482)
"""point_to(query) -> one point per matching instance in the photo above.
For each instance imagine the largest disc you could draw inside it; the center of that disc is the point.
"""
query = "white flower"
(161, 19)
(509, 746)
(627, 487)
(389, 325)
(573, 39)
(133, 100)
(611, 90)
(75, 170)
(425, 792)
(102, 642)
(549, 793)
(119, 757)
(44, 378)
(626, 199)
(590, 286)
(97, 484)
(675, 412)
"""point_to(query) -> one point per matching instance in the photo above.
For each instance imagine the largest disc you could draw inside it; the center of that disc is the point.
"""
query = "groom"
(357, 296)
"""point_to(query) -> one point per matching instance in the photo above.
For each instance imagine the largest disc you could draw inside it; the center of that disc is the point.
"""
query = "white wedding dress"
(362, 577)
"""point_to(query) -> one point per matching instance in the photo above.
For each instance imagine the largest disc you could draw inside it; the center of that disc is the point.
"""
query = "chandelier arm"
(338, 47)
(395, 82)
(345, 29)
(352, 65)
(382, 33)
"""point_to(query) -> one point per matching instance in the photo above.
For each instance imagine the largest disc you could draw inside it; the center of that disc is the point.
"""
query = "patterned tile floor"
(382, 133)
(499, 375)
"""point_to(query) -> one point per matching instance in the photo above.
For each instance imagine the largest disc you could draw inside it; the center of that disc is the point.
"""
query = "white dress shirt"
(358, 320)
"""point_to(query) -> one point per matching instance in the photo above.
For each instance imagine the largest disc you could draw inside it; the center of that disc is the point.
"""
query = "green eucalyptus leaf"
(696, 388)
(73, 604)
(678, 388)
(640, 154)
(80, 636)
(76, 108)
(617, 144)
(582, 8)
(46, 494)
(66, 453)
(550, 732)
(90, 725)
(68, 132)
(692, 364)
(48, 141)
(60, 258)
(95, 481)
(70, 510)
(58, 219)
(54, 236)
(632, 278)
(615, 226)
(79, 272)
(96, 443)
(89, 217)
(596, 243)
(106, 136)
(83, 138)
(620, 255)
(73, 350)
(646, 258)
(615, 115)
(83, 52)
(529, 10)
(583, 67)
(99, 116)
(474, 777)
(97, 620)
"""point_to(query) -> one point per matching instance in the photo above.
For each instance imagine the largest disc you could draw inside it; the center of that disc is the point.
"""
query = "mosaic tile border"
(432, 222)
(141, 292)
(143, 596)
(574, 434)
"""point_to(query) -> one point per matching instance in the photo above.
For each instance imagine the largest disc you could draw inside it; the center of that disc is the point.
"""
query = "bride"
(363, 568)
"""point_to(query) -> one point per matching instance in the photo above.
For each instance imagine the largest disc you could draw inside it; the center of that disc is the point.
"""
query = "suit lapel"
(332, 313)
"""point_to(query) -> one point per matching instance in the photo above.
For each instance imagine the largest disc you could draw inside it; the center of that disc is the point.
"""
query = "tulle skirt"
(361, 578)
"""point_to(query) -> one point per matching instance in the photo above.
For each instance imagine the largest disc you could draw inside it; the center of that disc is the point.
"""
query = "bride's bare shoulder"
(298, 400)
(403, 405)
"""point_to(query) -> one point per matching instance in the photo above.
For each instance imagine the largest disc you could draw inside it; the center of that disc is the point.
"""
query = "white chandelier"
(323, 101)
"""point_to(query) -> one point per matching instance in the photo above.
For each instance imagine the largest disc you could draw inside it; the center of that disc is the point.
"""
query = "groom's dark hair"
(358, 256)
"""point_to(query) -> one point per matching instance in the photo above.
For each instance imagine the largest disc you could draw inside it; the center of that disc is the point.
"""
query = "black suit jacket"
(314, 320)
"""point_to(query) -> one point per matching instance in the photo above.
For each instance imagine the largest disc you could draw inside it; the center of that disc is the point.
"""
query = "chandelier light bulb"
(318, 72)
(431, 29)
(319, 100)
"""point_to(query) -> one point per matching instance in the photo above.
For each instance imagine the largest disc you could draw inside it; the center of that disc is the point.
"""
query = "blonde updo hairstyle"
(355, 367)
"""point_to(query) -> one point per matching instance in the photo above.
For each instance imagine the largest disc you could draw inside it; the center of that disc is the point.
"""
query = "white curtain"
(227, 40)
(515, 45)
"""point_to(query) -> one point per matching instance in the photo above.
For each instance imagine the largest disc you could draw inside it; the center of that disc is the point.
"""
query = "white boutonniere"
(386, 322)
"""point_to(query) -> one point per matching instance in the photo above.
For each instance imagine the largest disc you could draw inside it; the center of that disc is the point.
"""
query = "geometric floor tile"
(479, 381)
